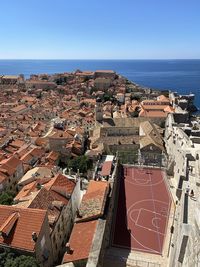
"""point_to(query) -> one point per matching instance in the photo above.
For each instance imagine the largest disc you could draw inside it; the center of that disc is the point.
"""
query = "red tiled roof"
(10, 165)
(34, 152)
(93, 202)
(61, 182)
(26, 190)
(17, 143)
(23, 222)
(53, 155)
(169, 109)
(153, 114)
(81, 241)
(7, 226)
(62, 135)
(26, 167)
(41, 200)
(19, 108)
(105, 71)
(44, 200)
(162, 98)
(106, 168)
(3, 177)
(12, 161)
(59, 197)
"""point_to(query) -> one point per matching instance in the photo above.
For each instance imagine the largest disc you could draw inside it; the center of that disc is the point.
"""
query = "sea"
(182, 76)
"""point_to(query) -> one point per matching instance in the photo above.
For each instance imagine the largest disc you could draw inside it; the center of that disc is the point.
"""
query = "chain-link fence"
(142, 159)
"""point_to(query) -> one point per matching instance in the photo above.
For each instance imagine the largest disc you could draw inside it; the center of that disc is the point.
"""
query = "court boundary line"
(137, 215)
(165, 210)
(139, 225)
(136, 249)
(147, 199)
(160, 243)
(153, 200)
(132, 175)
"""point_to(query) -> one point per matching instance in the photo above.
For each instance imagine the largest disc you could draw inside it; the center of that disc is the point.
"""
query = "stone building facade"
(11, 170)
(183, 168)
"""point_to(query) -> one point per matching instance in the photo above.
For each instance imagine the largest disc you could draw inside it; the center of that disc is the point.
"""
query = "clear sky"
(99, 29)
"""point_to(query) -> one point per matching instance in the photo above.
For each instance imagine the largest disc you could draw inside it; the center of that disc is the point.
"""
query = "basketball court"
(143, 210)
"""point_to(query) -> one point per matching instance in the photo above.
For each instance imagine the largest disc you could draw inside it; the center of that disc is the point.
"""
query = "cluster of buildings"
(67, 218)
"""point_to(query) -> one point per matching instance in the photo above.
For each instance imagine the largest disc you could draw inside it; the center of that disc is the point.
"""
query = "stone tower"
(98, 110)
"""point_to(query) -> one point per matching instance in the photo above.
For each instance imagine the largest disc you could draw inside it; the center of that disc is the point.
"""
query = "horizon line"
(99, 59)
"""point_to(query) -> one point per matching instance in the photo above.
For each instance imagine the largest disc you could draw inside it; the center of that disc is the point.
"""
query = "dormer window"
(8, 225)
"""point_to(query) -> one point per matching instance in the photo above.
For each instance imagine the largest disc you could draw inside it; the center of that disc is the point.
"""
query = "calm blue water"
(182, 76)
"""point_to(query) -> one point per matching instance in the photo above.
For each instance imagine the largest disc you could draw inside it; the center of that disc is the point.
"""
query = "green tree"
(135, 97)
(93, 89)
(165, 93)
(162, 124)
(10, 259)
(86, 79)
(83, 163)
(107, 97)
(21, 261)
(134, 114)
(6, 198)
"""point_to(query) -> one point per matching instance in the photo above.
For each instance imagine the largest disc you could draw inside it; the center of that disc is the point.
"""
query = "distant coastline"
(181, 75)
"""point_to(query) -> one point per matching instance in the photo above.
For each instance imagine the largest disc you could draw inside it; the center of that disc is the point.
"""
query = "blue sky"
(99, 29)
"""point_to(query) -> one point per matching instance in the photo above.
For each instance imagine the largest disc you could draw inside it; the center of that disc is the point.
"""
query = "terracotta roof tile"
(53, 155)
(25, 223)
(153, 114)
(81, 241)
(61, 182)
(7, 226)
(10, 165)
(3, 177)
(26, 190)
(34, 152)
(93, 202)
(17, 143)
(44, 200)
(162, 98)
(19, 108)
(106, 168)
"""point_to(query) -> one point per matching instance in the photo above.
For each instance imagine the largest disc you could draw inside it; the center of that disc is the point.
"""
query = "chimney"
(34, 236)
(69, 250)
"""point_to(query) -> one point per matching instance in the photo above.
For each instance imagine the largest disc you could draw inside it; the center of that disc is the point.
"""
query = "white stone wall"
(119, 131)
(76, 198)
(64, 225)
(186, 237)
